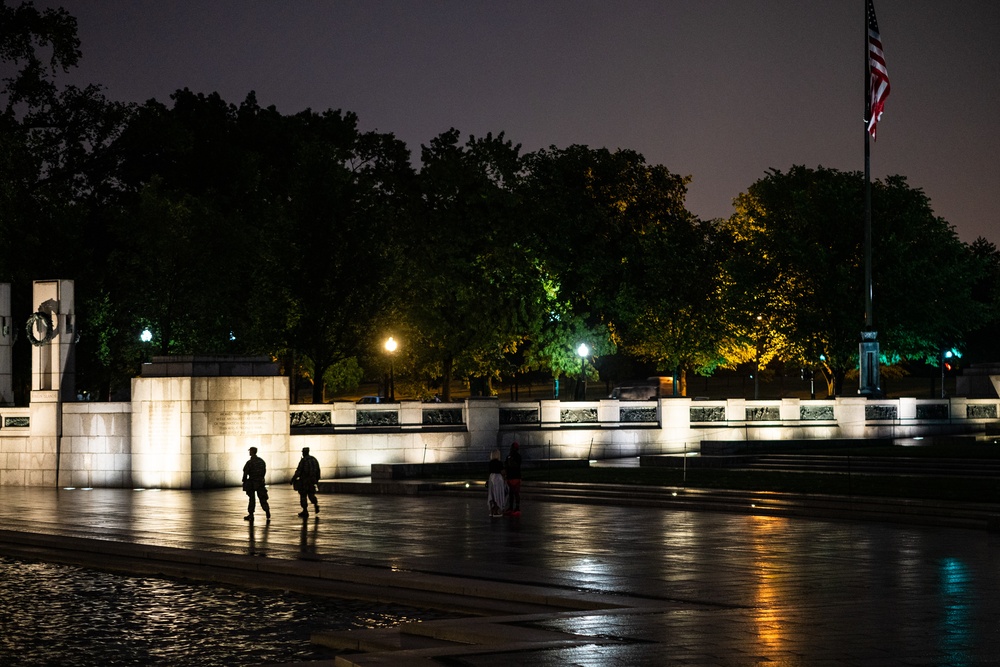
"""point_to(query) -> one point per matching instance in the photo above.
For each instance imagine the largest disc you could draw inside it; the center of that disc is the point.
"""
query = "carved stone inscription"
(767, 413)
(442, 417)
(715, 413)
(578, 416)
(978, 411)
(880, 412)
(310, 418)
(162, 422)
(376, 418)
(816, 412)
(519, 415)
(932, 411)
(236, 423)
(637, 415)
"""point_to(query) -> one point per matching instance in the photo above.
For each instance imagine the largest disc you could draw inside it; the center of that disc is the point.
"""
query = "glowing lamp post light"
(947, 363)
(145, 337)
(390, 348)
(583, 351)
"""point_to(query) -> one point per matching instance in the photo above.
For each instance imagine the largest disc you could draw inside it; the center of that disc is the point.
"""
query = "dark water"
(74, 617)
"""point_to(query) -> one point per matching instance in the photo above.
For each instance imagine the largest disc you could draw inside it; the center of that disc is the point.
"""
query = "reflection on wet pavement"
(721, 589)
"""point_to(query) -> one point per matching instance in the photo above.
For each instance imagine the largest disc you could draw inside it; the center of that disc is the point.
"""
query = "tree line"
(226, 228)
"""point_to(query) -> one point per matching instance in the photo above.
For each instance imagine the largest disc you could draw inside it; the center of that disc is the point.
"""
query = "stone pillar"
(790, 409)
(850, 414)
(609, 412)
(736, 410)
(483, 422)
(868, 353)
(907, 409)
(51, 331)
(6, 341)
(549, 411)
(675, 426)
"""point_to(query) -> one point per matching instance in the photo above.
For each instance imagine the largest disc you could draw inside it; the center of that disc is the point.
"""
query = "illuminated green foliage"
(796, 261)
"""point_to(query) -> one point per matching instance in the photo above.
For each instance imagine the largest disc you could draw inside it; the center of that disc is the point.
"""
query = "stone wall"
(347, 438)
(96, 446)
(194, 432)
(18, 456)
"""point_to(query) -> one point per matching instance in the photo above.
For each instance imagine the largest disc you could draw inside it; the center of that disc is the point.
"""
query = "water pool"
(75, 617)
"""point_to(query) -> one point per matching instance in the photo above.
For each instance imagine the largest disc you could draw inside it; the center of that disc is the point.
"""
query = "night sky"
(721, 90)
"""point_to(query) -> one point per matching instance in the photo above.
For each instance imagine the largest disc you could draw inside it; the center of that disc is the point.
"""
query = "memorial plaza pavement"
(566, 583)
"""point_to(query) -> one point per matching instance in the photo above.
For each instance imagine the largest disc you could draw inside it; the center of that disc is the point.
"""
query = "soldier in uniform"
(253, 483)
(304, 481)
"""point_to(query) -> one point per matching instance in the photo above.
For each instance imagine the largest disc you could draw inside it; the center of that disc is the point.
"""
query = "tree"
(797, 262)
(557, 334)
(339, 266)
(586, 208)
(25, 35)
(671, 312)
(54, 161)
(185, 230)
(984, 340)
(474, 287)
(620, 247)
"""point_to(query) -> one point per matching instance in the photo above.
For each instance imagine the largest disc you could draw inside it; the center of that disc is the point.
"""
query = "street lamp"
(390, 348)
(583, 351)
(947, 363)
(756, 359)
(146, 337)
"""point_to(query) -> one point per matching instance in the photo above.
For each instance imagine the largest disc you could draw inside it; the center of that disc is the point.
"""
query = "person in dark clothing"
(253, 483)
(512, 466)
(304, 481)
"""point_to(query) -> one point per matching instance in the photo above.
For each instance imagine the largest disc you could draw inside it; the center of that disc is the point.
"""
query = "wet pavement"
(564, 584)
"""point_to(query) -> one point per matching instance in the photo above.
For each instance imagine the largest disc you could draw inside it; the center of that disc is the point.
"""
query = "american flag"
(878, 78)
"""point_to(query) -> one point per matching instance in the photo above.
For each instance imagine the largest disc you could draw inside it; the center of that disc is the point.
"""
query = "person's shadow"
(257, 544)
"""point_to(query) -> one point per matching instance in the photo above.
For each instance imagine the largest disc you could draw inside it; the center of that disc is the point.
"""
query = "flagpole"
(868, 349)
(869, 318)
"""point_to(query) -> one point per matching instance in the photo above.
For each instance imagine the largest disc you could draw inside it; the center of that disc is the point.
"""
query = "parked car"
(651, 389)
(367, 400)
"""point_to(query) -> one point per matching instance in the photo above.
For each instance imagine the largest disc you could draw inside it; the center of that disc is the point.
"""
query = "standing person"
(304, 481)
(512, 467)
(253, 483)
(496, 487)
